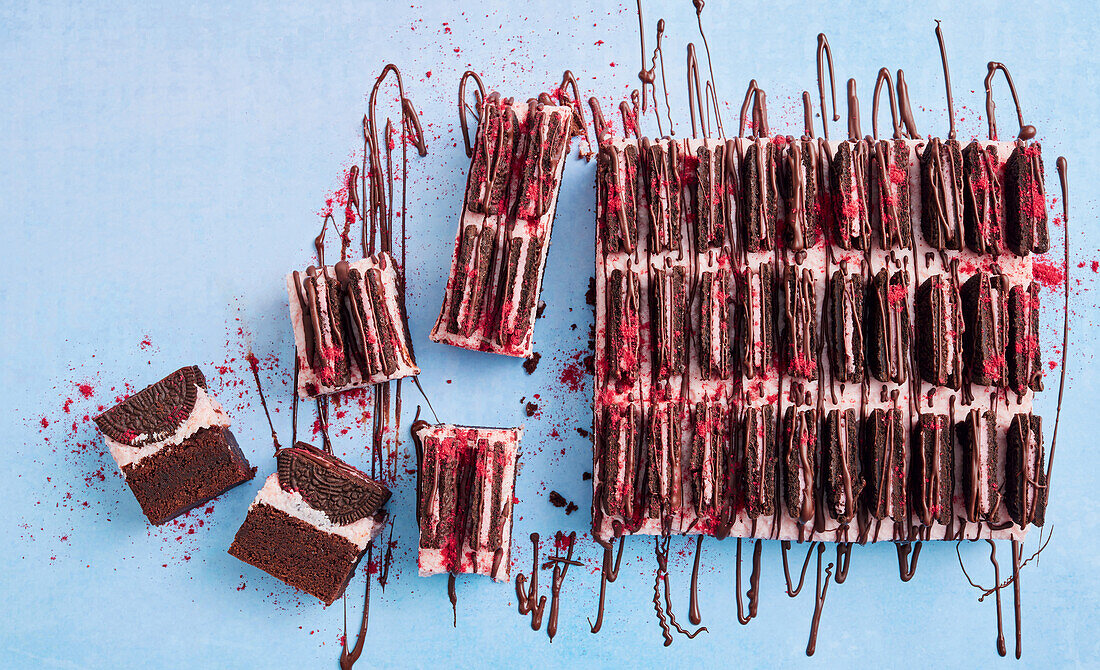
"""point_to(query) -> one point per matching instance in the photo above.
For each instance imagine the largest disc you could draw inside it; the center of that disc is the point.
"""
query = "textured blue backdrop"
(161, 169)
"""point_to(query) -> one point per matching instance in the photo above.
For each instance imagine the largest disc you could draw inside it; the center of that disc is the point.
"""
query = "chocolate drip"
(905, 108)
(946, 81)
(884, 76)
(824, 50)
(978, 439)
(1062, 169)
(527, 595)
(842, 468)
(884, 463)
(756, 314)
(820, 591)
(608, 575)
(800, 456)
(665, 617)
(854, 132)
(793, 590)
(759, 196)
(800, 323)
(803, 190)
(693, 614)
(754, 584)
(907, 567)
(1026, 132)
(478, 105)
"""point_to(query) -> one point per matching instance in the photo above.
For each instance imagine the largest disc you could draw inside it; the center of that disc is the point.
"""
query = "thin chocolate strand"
(1026, 131)
(255, 365)
(479, 98)
(946, 81)
(1062, 178)
(823, 49)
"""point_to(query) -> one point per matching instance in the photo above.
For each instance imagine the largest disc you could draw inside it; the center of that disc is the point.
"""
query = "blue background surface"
(161, 169)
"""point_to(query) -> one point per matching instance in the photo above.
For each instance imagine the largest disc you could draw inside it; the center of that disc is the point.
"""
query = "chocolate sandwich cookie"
(887, 326)
(660, 169)
(985, 317)
(621, 441)
(884, 463)
(842, 467)
(670, 305)
(932, 469)
(851, 185)
(756, 312)
(801, 192)
(1025, 201)
(844, 326)
(982, 199)
(942, 192)
(759, 202)
(800, 323)
(939, 331)
(663, 460)
(978, 439)
(1025, 367)
(758, 460)
(714, 328)
(710, 196)
(799, 460)
(710, 462)
(890, 186)
(623, 295)
(1025, 471)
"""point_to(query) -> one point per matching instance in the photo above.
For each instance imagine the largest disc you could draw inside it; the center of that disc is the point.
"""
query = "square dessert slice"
(312, 521)
(349, 326)
(173, 444)
(493, 290)
(465, 482)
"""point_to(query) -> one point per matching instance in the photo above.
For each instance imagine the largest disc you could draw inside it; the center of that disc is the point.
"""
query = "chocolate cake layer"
(851, 184)
(977, 435)
(1025, 369)
(759, 197)
(844, 328)
(842, 467)
(800, 462)
(985, 319)
(182, 477)
(802, 191)
(887, 327)
(939, 331)
(890, 187)
(309, 559)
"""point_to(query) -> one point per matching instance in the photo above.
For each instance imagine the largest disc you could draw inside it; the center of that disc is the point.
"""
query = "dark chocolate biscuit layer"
(155, 412)
(328, 484)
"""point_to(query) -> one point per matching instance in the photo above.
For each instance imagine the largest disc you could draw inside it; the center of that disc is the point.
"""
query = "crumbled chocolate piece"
(556, 499)
(531, 408)
(532, 362)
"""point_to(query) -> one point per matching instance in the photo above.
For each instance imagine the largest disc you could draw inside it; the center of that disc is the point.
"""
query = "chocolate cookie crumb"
(532, 362)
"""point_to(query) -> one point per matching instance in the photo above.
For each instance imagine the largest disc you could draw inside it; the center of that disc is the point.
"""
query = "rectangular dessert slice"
(758, 201)
(493, 290)
(800, 323)
(802, 192)
(1026, 202)
(932, 469)
(711, 461)
(844, 326)
(983, 199)
(1025, 471)
(350, 328)
(758, 460)
(942, 191)
(312, 521)
(173, 445)
(800, 461)
(466, 479)
(755, 305)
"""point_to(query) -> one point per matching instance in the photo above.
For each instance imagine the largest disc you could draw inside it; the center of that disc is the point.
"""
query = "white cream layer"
(359, 533)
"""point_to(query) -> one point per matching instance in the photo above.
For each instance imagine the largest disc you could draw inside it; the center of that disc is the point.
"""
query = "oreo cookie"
(887, 326)
(1026, 202)
(328, 484)
(939, 332)
(801, 191)
(155, 412)
(942, 191)
(663, 460)
(841, 460)
(709, 469)
(932, 469)
(670, 305)
(1025, 471)
(710, 197)
(884, 463)
(623, 324)
(755, 319)
(982, 199)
